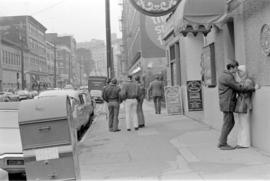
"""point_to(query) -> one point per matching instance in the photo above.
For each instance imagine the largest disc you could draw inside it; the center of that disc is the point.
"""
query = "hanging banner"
(173, 100)
(194, 95)
(155, 7)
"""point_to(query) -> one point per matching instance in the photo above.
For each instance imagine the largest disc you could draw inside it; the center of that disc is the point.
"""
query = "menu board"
(173, 100)
(194, 95)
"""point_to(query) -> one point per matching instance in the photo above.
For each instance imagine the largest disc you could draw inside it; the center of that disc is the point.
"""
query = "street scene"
(134, 90)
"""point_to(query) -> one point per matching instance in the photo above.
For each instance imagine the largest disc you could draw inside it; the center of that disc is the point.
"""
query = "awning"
(198, 15)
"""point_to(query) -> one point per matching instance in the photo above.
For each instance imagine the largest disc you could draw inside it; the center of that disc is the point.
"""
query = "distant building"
(68, 69)
(27, 35)
(84, 58)
(98, 50)
(119, 71)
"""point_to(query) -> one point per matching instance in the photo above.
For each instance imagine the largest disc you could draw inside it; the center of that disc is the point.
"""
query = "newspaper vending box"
(49, 139)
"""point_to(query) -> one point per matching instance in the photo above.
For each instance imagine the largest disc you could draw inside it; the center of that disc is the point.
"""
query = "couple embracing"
(235, 90)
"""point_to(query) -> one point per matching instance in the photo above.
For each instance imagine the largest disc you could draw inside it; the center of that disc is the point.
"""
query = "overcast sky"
(84, 19)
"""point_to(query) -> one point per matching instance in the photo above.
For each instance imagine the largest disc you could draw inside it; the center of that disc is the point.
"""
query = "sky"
(84, 19)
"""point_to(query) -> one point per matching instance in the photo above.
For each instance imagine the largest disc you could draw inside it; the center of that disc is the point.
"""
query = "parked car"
(11, 155)
(33, 93)
(97, 96)
(8, 97)
(3, 97)
(82, 104)
(23, 94)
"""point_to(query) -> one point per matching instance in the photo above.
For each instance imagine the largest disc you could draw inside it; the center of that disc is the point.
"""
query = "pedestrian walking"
(155, 91)
(142, 92)
(112, 97)
(243, 108)
(105, 105)
(130, 94)
(227, 89)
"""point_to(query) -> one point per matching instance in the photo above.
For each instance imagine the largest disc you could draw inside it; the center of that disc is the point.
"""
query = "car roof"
(68, 92)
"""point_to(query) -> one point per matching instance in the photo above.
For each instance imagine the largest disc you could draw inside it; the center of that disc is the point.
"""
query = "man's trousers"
(228, 123)
(131, 112)
(140, 113)
(157, 103)
(113, 107)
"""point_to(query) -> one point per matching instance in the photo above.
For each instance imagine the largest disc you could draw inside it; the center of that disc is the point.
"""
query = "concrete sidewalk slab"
(169, 147)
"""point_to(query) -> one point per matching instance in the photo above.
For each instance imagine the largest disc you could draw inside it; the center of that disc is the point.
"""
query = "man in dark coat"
(227, 89)
(112, 97)
(142, 93)
(155, 90)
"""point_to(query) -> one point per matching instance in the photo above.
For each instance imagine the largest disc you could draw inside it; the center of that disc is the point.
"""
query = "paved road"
(170, 147)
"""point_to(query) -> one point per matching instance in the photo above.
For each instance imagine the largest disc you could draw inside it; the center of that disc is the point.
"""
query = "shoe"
(136, 129)
(141, 126)
(116, 130)
(226, 147)
(240, 147)
(128, 129)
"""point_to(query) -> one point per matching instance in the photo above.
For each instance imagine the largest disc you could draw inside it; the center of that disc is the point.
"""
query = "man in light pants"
(130, 93)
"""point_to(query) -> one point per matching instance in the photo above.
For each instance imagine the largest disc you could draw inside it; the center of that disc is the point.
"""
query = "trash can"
(49, 139)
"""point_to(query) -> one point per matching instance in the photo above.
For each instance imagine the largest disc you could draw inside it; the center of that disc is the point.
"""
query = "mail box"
(49, 139)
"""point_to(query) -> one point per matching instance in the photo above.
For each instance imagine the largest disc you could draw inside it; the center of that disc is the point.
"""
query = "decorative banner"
(194, 95)
(155, 29)
(155, 7)
(173, 100)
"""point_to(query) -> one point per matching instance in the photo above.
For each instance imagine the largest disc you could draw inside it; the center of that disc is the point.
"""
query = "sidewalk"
(170, 147)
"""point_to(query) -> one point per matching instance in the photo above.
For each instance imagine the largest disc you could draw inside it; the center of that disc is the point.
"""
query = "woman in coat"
(243, 108)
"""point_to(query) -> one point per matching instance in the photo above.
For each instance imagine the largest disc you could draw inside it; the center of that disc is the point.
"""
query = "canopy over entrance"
(198, 15)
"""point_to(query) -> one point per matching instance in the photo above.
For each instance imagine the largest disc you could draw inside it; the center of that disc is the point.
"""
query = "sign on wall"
(155, 7)
(265, 39)
(194, 95)
(173, 100)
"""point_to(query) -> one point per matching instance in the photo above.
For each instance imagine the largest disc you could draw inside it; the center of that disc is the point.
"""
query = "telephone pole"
(108, 39)
(54, 67)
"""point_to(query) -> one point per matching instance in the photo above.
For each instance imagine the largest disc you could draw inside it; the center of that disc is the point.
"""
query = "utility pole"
(108, 39)
(80, 70)
(22, 58)
(54, 67)
(69, 69)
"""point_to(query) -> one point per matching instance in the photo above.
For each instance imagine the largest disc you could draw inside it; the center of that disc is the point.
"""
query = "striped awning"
(198, 15)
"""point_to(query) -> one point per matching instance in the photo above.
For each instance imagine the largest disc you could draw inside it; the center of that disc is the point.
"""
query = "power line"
(49, 7)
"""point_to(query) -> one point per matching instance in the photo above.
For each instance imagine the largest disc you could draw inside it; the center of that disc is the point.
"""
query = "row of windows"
(36, 32)
(36, 45)
(11, 58)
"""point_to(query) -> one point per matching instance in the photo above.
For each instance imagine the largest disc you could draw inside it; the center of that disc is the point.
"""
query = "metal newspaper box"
(49, 139)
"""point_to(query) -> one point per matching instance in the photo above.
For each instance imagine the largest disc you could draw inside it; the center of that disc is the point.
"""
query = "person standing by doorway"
(142, 93)
(227, 89)
(155, 90)
(130, 94)
(111, 96)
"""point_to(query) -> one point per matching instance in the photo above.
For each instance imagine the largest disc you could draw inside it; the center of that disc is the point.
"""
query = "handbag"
(241, 106)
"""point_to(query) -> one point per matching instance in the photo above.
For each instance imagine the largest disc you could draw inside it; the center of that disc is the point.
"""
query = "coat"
(130, 90)
(227, 89)
(155, 89)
